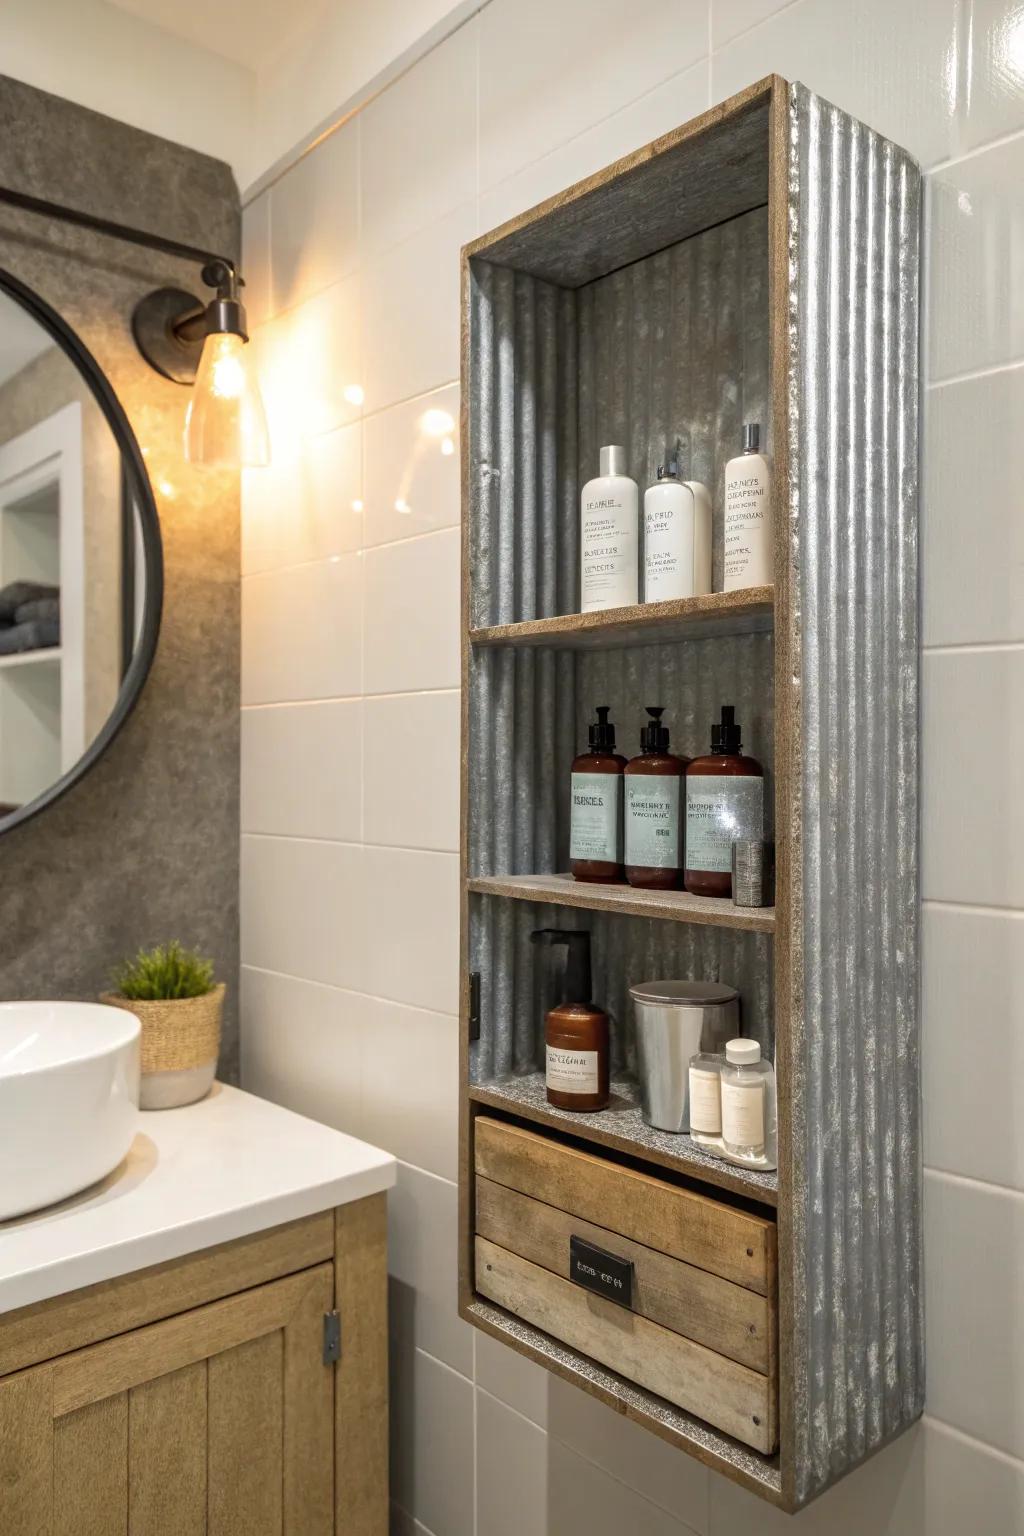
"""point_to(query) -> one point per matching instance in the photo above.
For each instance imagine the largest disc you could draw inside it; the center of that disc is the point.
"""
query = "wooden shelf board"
(621, 1127)
(49, 653)
(716, 1450)
(675, 906)
(684, 618)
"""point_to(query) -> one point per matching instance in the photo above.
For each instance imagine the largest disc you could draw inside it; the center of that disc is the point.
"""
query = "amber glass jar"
(653, 813)
(724, 804)
(595, 823)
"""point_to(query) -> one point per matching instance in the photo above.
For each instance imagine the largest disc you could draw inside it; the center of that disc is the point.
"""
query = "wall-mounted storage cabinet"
(760, 263)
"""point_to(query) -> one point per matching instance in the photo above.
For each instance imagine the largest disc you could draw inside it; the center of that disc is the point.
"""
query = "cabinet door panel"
(90, 1470)
(246, 1425)
(219, 1422)
(167, 1454)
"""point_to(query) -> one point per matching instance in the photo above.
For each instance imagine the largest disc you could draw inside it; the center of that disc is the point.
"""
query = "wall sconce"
(206, 345)
(191, 342)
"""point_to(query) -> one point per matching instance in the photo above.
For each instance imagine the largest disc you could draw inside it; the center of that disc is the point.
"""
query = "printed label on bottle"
(705, 1101)
(743, 1113)
(720, 811)
(609, 574)
(652, 820)
(747, 553)
(571, 1071)
(595, 819)
(668, 543)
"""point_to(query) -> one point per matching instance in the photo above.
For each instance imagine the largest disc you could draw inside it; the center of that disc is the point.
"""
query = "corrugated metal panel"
(857, 1294)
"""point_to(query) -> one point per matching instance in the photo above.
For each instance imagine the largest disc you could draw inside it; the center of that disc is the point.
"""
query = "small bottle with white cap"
(748, 1102)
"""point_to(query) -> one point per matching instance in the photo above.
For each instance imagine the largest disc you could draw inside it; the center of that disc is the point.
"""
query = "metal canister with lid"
(675, 1020)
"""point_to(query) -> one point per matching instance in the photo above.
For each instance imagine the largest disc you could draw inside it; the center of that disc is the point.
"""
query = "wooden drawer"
(701, 1329)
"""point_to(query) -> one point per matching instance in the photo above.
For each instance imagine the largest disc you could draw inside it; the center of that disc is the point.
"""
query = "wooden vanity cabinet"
(203, 1397)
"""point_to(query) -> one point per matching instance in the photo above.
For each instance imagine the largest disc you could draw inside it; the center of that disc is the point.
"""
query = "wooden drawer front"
(714, 1312)
(700, 1330)
(730, 1396)
(698, 1230)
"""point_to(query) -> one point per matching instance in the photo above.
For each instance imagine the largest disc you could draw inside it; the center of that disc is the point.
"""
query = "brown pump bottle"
(654, 811)
(595, 822)
(576, 1036)
(724, 804)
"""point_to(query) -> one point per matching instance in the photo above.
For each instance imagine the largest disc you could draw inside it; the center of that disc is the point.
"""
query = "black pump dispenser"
(602, 732)
(654, 736)
(725, 738)
(577, 982)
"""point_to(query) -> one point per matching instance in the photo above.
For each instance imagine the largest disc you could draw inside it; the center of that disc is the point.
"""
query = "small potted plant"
(172, 993)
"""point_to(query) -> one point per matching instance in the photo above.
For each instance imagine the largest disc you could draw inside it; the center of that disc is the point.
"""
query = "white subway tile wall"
(351, 710)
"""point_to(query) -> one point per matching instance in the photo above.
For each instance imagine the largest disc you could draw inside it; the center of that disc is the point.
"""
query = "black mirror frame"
(141, 494)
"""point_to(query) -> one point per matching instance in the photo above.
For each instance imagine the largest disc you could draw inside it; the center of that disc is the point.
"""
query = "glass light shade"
(226, 423)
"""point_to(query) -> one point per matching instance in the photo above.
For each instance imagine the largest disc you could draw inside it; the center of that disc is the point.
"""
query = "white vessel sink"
(69, 1099)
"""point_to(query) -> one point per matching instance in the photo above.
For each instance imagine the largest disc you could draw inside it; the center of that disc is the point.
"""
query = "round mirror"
(81, 572)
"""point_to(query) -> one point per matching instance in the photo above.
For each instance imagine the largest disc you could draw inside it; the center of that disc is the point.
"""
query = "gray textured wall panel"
(857, 1297)
(146, 846)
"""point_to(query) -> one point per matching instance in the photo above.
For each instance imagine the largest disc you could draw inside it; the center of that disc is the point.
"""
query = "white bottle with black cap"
(748, 518)
(677, 537)
(609, 547)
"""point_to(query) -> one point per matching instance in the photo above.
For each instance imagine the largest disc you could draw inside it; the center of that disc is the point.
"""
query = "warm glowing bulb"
(357, 506)
(402, 506)
(354, 394)
(447, 447)
(436, 423)
(226, 423)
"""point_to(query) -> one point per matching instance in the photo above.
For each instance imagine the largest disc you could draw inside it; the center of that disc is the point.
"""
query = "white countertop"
(226, 1167)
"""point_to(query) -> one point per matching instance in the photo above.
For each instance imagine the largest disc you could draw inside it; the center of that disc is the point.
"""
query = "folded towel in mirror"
(38, 608)
(16, 593)
(36, 635)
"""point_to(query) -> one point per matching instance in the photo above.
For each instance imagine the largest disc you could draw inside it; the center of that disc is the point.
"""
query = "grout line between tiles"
(965, 1181)
(971, 374)
(438, 1361)
(372, 997)
(341, 842)
(999, 142)
(349, 698)
(975, 908)
(980, 647)
(985, 1446)
(745, 31)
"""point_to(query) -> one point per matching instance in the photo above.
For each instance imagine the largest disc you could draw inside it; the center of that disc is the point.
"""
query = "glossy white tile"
(314, 218)
(508, 1375)
(972, 551)
(411, 906)
(432, 1445)
(995, 61)
(972, 1009)
(974, 1239)
(310, 369)
(302, 770)
(411, 483)
(976, 262)
(411, 1084)
(302, 632)
(677, 1483)
(731, 17)
(301, 1047)
(893, 66)
(419, 144)
(549, 72)
(511, 1472)
(410, 311)
(304, 505)
(665, 107)
(972, 744)
(256, 260)
(411, 773)
(412, 614)
(422, 1249)
(583, 1497)
(302, 912)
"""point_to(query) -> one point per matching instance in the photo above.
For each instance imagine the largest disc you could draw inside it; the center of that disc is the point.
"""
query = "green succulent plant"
(166, 971)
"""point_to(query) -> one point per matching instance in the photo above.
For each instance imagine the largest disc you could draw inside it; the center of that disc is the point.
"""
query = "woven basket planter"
(180, 1045)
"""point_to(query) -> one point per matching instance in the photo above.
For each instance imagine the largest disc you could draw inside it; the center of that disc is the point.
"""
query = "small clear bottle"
(748, 1103)
(706, 1098)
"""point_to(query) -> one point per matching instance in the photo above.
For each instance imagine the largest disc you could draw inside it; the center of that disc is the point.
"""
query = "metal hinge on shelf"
(474, 1005)
(332, 1338)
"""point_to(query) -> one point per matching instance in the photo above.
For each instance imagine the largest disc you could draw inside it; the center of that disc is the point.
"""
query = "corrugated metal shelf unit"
(759, 263)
